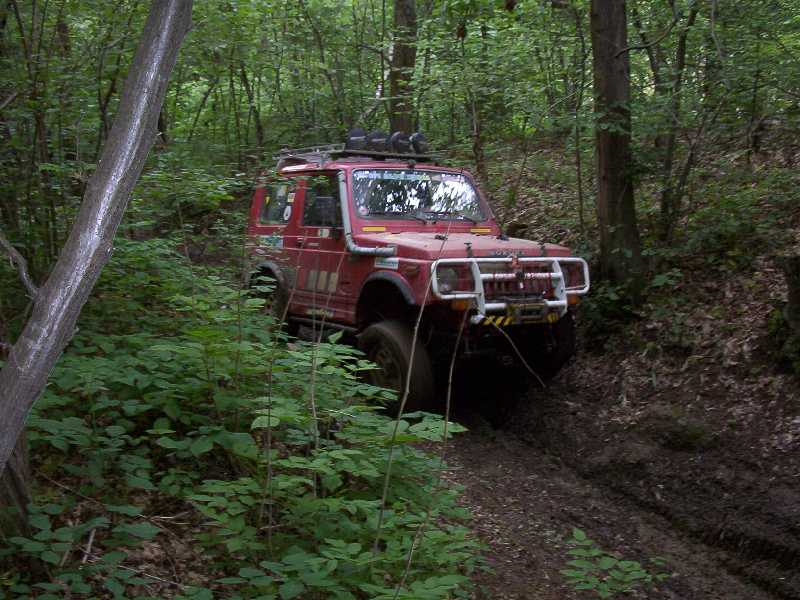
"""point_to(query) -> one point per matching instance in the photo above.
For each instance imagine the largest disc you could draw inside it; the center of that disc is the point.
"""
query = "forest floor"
(723, 518)
(674, 436)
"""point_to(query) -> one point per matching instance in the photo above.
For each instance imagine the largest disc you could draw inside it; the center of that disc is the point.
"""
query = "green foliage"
(177, 392)
(173, 191)
(605, 311)
(604, 574)
(741, 217)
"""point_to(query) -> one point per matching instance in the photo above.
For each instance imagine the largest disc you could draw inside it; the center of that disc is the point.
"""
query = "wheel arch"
(383, 295)
(271, 269)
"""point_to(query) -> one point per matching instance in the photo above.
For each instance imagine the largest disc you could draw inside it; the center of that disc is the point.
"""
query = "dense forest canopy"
(489, 80)
(656, 138)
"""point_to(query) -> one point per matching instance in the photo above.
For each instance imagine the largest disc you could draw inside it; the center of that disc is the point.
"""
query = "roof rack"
(326, 152)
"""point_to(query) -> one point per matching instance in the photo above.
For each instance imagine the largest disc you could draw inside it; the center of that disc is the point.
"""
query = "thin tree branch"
(655, 42)
(8, 100)
(21, 265)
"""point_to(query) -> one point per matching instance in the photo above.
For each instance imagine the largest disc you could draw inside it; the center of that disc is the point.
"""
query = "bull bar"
(556, 275)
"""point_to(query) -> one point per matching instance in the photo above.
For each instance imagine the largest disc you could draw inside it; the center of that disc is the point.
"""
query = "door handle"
(299, 243)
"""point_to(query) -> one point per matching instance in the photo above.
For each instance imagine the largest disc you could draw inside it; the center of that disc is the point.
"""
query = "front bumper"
(516, 310)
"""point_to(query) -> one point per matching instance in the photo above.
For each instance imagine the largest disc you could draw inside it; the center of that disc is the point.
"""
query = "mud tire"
(562, 341)
(388, 344)
(275, 303)
(549, 348)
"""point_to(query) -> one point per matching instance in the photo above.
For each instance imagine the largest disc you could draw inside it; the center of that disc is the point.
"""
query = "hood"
(425, 246)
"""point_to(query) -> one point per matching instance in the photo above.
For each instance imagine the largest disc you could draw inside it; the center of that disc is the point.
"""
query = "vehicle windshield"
(411, 194)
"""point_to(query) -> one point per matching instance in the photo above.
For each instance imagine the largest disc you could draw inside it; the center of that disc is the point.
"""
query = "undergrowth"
(182, 449)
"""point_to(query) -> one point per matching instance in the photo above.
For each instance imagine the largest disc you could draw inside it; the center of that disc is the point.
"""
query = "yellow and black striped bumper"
(505, 320)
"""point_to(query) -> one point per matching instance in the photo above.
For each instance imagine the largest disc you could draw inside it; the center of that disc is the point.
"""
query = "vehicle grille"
(511, 288)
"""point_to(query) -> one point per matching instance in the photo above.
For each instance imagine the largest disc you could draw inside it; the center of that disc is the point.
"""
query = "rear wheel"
(388, 344)
(275, 300)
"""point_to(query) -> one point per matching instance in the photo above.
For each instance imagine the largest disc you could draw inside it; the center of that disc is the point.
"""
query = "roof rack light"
(376, 144)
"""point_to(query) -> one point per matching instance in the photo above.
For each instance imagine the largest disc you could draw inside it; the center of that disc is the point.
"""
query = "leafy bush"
(741, 214)
(598, 571)
(177, 394)
(175, 191)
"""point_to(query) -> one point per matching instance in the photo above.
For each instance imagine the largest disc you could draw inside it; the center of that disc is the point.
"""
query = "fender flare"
(395, 279)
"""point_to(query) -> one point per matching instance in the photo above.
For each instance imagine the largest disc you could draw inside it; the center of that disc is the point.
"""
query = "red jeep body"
(362, 243)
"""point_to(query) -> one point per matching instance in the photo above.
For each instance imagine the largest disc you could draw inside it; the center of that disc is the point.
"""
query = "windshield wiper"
(399, 215)
(447, 213)
(468, 218)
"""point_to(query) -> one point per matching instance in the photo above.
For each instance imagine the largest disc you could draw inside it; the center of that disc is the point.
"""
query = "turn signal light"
(462, 304)
(573, 299)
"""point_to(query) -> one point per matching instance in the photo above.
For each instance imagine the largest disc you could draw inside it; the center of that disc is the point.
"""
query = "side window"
(278, 204)
(321, 206)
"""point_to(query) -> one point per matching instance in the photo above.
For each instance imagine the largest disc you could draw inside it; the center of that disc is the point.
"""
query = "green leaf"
(114, 587)
(265, 422)
(606, 562)
(201, 445)
(291, 589)
(124, 509)
(142, 483)
(52, 509)
(40, 521)
(143, 530)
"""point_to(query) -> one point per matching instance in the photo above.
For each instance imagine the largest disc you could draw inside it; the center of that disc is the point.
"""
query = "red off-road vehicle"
(359, 236)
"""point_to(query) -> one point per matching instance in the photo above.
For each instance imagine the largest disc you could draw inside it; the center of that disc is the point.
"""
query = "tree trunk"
(790, 265)
(401, 103)
(15, 491)
(671, 195)
(88, 248)
(620, 249)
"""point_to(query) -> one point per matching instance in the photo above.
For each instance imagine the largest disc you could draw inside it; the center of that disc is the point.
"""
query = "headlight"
(447, 278)
(454, 279)
(573, 275)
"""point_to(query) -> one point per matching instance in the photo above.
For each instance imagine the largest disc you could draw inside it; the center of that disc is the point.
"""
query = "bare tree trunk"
(253, 107)
(791, 271)
(620, 248)
(670, 196)
(581, 84)
(15, 491)
(404, 56)
(88, 248)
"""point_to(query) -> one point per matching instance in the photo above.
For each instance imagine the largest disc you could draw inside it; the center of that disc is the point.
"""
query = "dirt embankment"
(675, 442)
(719, 461)
(677, 436)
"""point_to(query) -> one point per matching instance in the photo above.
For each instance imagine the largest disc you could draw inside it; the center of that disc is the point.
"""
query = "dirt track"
(553, 466)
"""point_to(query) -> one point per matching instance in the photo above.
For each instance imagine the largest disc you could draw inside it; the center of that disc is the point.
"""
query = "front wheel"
(388, 344)
(548, 348)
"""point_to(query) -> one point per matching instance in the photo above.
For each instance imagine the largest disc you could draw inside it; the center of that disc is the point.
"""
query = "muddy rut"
(534, 472)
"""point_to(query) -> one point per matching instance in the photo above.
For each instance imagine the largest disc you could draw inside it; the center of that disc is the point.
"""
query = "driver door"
(322, 250)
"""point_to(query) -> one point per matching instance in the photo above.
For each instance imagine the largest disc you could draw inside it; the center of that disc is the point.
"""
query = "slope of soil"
(526, 502)
(675, 434)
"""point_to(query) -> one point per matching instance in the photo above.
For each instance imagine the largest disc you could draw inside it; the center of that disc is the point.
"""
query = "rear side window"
(321, 205)
(278, 204)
